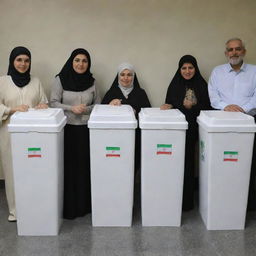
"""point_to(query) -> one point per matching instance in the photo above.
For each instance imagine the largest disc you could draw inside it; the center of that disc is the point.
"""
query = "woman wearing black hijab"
(19, 91)
(188, 93)
(75, 92)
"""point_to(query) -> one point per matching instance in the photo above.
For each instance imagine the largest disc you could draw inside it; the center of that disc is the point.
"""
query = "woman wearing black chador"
(126, 90)
(188, 93)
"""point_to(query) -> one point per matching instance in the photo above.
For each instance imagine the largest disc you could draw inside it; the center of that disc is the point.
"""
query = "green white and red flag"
(231, 156)
(164, 149)
(34, 152)
(112, 151)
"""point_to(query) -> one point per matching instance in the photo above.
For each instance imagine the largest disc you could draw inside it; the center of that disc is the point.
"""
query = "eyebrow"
(21, 58)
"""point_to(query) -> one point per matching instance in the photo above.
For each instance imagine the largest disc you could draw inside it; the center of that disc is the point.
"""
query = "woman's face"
(187, 71)
(22, 63)
(80, 63)
(125, 78)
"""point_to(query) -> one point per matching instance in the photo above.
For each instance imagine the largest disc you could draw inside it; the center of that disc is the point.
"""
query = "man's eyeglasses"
(238, 49)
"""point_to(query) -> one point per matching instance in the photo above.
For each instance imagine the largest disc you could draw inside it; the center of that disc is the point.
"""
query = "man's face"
(235, 52)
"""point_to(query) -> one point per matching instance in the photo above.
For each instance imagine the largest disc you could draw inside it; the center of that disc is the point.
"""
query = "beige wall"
(150, 34)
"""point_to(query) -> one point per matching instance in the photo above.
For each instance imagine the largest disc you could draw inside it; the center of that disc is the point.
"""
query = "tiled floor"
(78, 237)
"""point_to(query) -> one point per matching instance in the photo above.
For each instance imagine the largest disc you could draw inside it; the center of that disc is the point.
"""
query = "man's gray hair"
(235, 39)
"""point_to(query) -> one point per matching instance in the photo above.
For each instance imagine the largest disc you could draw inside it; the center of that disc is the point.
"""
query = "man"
(232, 87)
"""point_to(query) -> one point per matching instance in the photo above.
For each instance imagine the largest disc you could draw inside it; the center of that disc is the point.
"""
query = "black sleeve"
(144, 100)
(204, 103)
(140, 101)
(175, 97)
(106, 98)
(109, 96)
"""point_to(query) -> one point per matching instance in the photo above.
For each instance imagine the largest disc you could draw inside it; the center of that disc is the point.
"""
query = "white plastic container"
(37, 153)
(163, 134)
(112, 136)
(226, 143)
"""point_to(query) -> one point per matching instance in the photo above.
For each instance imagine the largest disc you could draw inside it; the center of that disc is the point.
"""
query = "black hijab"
(70, 79)
(177, 88)
(20, 79)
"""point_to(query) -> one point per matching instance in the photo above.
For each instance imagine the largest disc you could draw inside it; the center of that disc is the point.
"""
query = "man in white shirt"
(232, 87)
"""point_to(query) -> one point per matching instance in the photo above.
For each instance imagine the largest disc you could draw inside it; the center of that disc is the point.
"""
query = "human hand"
(233, 108)
(41, 106)
(166, 106)
(20, 108)
(188, 104)
(115, 102)
(78, 109)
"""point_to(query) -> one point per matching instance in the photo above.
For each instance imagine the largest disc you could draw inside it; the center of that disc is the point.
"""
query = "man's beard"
(236, 61)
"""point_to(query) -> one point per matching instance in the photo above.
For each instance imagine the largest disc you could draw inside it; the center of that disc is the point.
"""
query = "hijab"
(179, 85)
(134, 84)
(19, 79)
(70, 79)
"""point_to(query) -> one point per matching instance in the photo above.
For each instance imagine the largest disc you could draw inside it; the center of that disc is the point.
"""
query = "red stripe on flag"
(112, 155)
(34, 156)
(164, 153)
(230, 160)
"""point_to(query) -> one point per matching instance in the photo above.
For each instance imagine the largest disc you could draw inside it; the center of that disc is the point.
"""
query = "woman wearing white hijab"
(126, 90)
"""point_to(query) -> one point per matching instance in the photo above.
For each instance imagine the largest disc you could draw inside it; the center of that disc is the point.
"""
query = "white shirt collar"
(243, 68)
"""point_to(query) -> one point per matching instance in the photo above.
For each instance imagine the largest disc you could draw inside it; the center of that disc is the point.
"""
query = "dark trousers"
(77, 188)
(189, 170)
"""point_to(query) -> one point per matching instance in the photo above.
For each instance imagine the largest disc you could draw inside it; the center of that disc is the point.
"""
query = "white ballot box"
(226, 144)
(163, 134)
(37, 153)
(112, 142)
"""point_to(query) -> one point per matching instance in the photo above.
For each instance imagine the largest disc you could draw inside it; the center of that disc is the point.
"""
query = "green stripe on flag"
(164, 145)
(34, 149)
(230, 153)
(112, 148)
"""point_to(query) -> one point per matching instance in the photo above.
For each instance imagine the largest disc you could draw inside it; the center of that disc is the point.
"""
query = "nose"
(235, 51)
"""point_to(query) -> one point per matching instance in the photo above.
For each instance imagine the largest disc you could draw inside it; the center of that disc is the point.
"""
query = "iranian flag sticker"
(231, 156)
(34, 152)
(164, 149)
(113, 152)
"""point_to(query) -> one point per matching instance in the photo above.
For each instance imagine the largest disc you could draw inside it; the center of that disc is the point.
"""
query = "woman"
(75, 92)
(126, 90)
(188, 93)
(18, 92)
